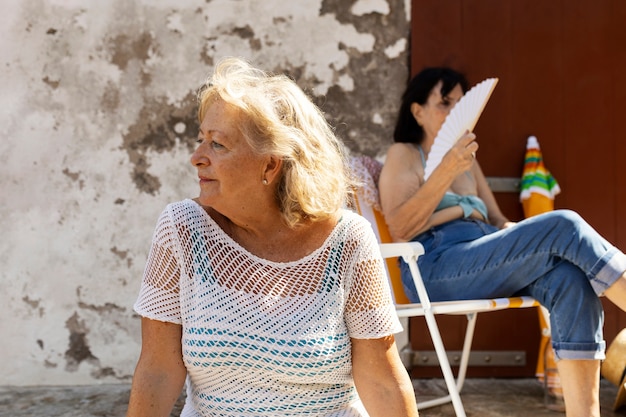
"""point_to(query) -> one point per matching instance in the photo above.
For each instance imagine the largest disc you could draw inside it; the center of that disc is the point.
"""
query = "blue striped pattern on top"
(262, 338)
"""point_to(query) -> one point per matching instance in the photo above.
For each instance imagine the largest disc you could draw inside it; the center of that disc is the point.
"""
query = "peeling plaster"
(106, 308)
(397, 49)
(125, 49)
(175, 23)
(99, 123)
(157, 129)
(362, 7)
(35, 305)
(78, 350)
(363, 134)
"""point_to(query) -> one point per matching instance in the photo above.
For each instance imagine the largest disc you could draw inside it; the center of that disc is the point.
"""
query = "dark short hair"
(417, 91)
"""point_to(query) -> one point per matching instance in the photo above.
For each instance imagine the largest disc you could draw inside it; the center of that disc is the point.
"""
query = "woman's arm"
(160, 373)
(496, 217)
(407, 201)
(381, 380)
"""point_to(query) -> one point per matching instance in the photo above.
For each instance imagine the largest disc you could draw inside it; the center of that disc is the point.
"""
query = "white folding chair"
(366, 203)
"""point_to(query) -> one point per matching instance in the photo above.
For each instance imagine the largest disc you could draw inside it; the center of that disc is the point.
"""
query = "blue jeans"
(556, 258)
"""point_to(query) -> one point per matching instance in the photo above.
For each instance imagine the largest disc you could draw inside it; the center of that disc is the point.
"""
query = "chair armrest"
(406, 250)
(410, 252)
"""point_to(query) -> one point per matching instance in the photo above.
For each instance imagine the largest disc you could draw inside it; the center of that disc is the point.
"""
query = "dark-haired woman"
(474, 251)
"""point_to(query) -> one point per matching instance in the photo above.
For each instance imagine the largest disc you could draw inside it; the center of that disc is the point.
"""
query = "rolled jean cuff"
(610, 272)
(579, 351)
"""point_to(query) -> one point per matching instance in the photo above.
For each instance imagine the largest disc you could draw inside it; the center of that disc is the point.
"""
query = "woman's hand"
(506, 225)
(460, 157)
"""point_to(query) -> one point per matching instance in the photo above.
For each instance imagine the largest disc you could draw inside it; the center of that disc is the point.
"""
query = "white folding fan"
(462, 117)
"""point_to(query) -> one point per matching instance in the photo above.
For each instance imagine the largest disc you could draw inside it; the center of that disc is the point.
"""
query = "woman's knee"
(560, 226)
(563, 218)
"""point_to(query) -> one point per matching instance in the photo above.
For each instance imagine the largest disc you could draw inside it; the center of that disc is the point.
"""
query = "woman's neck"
(272, 239)
(426, 144)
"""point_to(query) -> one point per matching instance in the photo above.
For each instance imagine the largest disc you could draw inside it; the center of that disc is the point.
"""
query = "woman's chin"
(205, 200)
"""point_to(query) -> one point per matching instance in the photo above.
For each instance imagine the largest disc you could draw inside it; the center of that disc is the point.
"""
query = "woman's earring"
(264, 181)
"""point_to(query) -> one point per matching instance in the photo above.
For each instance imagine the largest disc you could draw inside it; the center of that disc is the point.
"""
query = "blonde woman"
(263, 294)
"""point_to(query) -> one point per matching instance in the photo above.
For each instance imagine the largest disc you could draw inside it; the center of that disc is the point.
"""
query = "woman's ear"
(272, 169)
(416, 111)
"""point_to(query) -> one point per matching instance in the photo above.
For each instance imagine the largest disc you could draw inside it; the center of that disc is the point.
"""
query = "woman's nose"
(198, 158)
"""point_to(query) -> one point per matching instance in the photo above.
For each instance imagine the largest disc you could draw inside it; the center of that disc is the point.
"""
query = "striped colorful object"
(537, 196)
(538, 187)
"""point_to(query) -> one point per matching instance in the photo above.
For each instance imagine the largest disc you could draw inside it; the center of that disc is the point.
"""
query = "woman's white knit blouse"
(264, 338)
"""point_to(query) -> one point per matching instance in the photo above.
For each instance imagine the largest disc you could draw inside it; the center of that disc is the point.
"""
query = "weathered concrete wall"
(96, 128)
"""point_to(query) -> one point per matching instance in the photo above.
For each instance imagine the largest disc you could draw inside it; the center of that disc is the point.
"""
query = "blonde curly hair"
(278, 118)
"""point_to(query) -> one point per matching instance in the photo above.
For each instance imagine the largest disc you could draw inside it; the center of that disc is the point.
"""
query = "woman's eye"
(216, 145)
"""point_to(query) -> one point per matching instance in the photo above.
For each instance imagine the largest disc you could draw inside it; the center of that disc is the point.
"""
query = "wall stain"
(156, 129)
(123, 255)
(34, 304)
(31, 303)
(52, 83)
(367, 129)
(246, 32)
(74, 176)
(120, 253)
(78, 350)
(110, 100)
(106, 372)
(106, 308)
(126, 49)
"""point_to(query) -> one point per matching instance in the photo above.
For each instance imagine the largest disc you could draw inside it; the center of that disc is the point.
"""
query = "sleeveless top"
(467, 202)
(264, 338)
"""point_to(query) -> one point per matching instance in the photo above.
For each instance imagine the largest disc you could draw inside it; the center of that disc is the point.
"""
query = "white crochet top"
(263, 338)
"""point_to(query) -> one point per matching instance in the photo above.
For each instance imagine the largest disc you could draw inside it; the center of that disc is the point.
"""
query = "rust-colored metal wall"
(562, 69)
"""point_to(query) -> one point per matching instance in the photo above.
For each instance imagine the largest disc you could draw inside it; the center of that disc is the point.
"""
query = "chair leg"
(467, 348)
(444, 364)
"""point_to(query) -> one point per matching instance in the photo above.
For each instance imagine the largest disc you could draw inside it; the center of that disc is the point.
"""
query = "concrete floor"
(481, 398)
(504, 398)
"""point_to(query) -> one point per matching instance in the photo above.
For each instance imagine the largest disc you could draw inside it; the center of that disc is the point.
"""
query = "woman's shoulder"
(403, 161)
(401, 156)
(185, 205)
(355, 225)
(185, 213)
(402, 149)
(351, 217)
